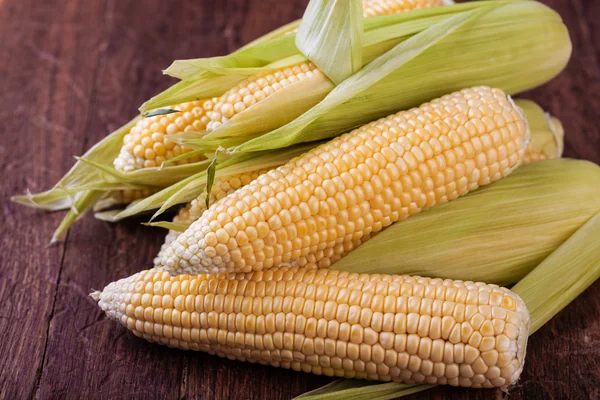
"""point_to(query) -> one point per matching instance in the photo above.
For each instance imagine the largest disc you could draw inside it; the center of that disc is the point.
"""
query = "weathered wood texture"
(73, 70)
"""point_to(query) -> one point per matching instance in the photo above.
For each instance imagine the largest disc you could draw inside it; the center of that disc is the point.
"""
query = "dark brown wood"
(74, 70)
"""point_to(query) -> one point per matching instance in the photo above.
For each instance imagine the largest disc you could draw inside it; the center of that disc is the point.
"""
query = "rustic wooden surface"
(72, 71)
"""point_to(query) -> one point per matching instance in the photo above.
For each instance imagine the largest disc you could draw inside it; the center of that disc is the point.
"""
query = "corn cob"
(323, 203)
(148, 144)
(378, 327)
(193, 210)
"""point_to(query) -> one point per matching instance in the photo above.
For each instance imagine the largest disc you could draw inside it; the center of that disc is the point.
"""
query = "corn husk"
(527, 42)
(496, 234)
(330, 36)
(547, 132)
(546, 290)
(191, 187)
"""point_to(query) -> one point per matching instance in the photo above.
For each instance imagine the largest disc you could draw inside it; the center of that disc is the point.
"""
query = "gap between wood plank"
(86, 139)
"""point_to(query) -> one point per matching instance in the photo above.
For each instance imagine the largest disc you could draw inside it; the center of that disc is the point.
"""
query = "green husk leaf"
(547, 134)
(290, 102)
(348, 389)
(177, 227)
(160, 111)
(60, 197)
(225, 65)
(191, 187)
(84, 202)
(527, 225)
(148, 177)
(204, 87)
(210, 178)
(279, 32)
(280, 44)
(562, 276)
(330, 35)
(527, 42)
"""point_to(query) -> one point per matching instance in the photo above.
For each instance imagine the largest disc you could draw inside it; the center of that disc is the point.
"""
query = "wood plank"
(41, 108)
(83, 344)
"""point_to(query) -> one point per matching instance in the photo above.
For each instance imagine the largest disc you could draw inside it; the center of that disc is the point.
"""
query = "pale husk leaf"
(330, 35)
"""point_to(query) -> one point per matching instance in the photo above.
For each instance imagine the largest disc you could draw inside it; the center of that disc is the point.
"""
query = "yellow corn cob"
(379, 327)
(322, 204)
(194, 209)
(148, 145)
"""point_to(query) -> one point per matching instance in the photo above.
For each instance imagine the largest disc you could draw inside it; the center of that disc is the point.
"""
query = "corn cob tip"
(377, 327)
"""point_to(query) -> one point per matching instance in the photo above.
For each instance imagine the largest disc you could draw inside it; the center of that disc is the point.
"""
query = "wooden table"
(72, 71)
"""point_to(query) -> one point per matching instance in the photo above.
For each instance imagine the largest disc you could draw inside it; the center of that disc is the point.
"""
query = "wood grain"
(73, 71)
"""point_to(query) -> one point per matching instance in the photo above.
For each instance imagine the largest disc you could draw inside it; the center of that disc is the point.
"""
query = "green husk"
(81, 174)
(547, 133)
(191, 187)
(527, 42)
(84, 202)
(562, 276)
(496, 234)
(330, 36)
(546, 290)
(350, 389)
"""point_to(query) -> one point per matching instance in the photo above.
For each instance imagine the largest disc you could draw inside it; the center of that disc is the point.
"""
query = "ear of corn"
(546, 290)
(542, 132)
(496, 234)
(379, 327)
(514, 29)
(327, 201)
